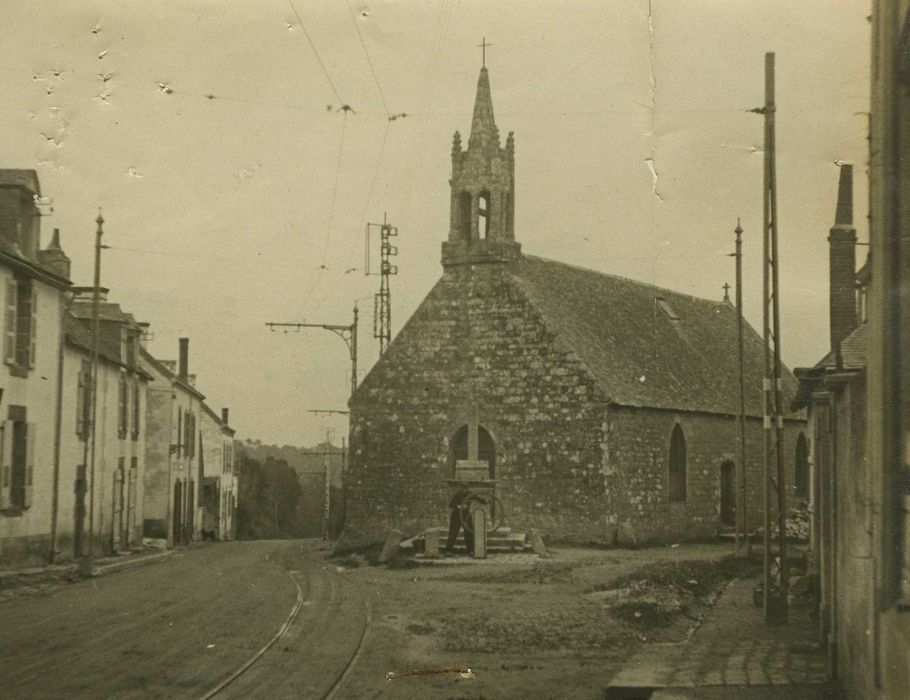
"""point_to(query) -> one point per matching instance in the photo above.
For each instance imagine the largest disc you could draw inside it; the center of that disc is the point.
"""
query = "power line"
(369, 61)
(366, 204)
(316, 53)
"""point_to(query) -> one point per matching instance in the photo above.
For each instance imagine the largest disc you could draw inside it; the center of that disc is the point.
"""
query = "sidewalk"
(732, 654)
(40, 578)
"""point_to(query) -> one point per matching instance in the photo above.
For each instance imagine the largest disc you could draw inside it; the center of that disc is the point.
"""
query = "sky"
(235, 187)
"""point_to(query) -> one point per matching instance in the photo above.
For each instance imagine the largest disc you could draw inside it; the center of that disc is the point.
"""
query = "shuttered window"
(83, 400)
(20, 324)
(6, 465)
(134, 410)
(32, 327)
(9, 324)
(17, 461)
(179, 442)
(122, 407)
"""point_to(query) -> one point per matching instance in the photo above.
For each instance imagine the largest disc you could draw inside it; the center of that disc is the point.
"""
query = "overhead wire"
(325, 72)
(366, 204)
(369, 60)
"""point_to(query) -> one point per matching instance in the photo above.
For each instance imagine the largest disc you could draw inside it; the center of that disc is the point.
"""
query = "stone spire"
(482, 228)
(483, 125)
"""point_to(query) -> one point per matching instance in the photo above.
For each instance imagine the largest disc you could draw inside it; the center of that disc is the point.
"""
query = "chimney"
(184, 366)
(225, 414)
(842, 265)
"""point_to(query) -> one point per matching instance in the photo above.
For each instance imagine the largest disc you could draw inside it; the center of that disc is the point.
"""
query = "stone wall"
(477, 344)
(636, 467)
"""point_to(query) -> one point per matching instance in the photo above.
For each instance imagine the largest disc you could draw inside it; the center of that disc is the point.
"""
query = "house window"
(189, 434)
(20, 324)
(484, 213)
(134, 410)
(17, 466)
(83, 400)
(801, 471)
(677, 466)
(122, 406)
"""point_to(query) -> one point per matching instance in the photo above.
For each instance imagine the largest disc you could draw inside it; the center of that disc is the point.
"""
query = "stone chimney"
(225, 414)
(842, 265)
(54, 258)
(183, 368)
(144, 334)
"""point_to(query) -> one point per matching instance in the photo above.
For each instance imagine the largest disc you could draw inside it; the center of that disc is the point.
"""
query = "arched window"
(677, 466)
(464, 215)
(484, 213)
(801, 472)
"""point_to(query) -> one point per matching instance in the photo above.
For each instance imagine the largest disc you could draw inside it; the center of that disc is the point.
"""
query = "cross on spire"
(483, 46)
(726, 291)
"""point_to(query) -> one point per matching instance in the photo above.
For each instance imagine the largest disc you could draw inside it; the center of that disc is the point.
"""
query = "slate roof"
(20, 178)
(623, 331)
(852, 349)
(80, 336)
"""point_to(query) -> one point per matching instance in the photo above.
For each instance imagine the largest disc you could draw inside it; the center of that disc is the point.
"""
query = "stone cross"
(473, 441)
(483, 45)
(726, 291)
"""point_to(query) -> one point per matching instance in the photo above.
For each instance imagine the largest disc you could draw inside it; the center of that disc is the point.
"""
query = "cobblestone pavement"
(733, 648)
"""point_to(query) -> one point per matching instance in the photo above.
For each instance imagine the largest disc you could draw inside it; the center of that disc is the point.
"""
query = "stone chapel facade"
(605, 407)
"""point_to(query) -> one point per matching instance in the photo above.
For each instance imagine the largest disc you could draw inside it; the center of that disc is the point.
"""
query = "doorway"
(728, 494)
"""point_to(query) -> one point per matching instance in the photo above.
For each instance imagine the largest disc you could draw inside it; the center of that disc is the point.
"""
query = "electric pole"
(86, 563)
(382, 301)
(347, 333)
(775, 604)
(327, 473)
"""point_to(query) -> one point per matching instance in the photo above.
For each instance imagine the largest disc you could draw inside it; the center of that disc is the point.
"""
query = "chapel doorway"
(728, 494)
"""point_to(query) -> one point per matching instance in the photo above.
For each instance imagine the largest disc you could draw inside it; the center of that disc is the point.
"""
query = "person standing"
(460, 516)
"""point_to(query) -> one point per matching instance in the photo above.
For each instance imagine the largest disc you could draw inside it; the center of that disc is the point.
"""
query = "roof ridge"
(625, 279)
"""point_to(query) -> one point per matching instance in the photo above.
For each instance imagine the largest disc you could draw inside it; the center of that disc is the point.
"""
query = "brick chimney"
(842, 265)
(184, 366)
(225, 414)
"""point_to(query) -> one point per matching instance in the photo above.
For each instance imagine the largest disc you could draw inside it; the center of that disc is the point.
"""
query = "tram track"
(330, 609)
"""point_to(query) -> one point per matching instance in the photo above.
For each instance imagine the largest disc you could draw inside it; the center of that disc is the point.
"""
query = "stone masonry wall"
(477, 342)
(636, 467)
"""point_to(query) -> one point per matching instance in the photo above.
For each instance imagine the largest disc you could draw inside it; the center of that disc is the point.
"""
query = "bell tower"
(482, 220)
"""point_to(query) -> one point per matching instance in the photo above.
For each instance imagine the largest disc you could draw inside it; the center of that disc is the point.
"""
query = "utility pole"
(86, 563)
(327, 502)
(775, 604)
(382, 301)
(347, 333)
(742, 520)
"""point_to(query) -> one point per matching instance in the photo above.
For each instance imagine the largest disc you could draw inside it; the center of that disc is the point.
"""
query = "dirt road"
(179, 628)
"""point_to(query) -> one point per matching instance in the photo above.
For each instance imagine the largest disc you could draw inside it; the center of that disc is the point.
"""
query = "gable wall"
(477, 334)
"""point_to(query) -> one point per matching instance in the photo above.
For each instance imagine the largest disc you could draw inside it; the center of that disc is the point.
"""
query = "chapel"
(605, 408)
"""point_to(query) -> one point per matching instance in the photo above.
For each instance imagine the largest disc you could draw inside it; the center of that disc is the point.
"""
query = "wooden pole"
(775, 603)
(742, 519)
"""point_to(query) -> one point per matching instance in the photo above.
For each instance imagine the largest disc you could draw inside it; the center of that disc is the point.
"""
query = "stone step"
(511, 542)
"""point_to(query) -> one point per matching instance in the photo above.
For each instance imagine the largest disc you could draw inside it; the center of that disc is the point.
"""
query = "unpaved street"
(178, 628)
